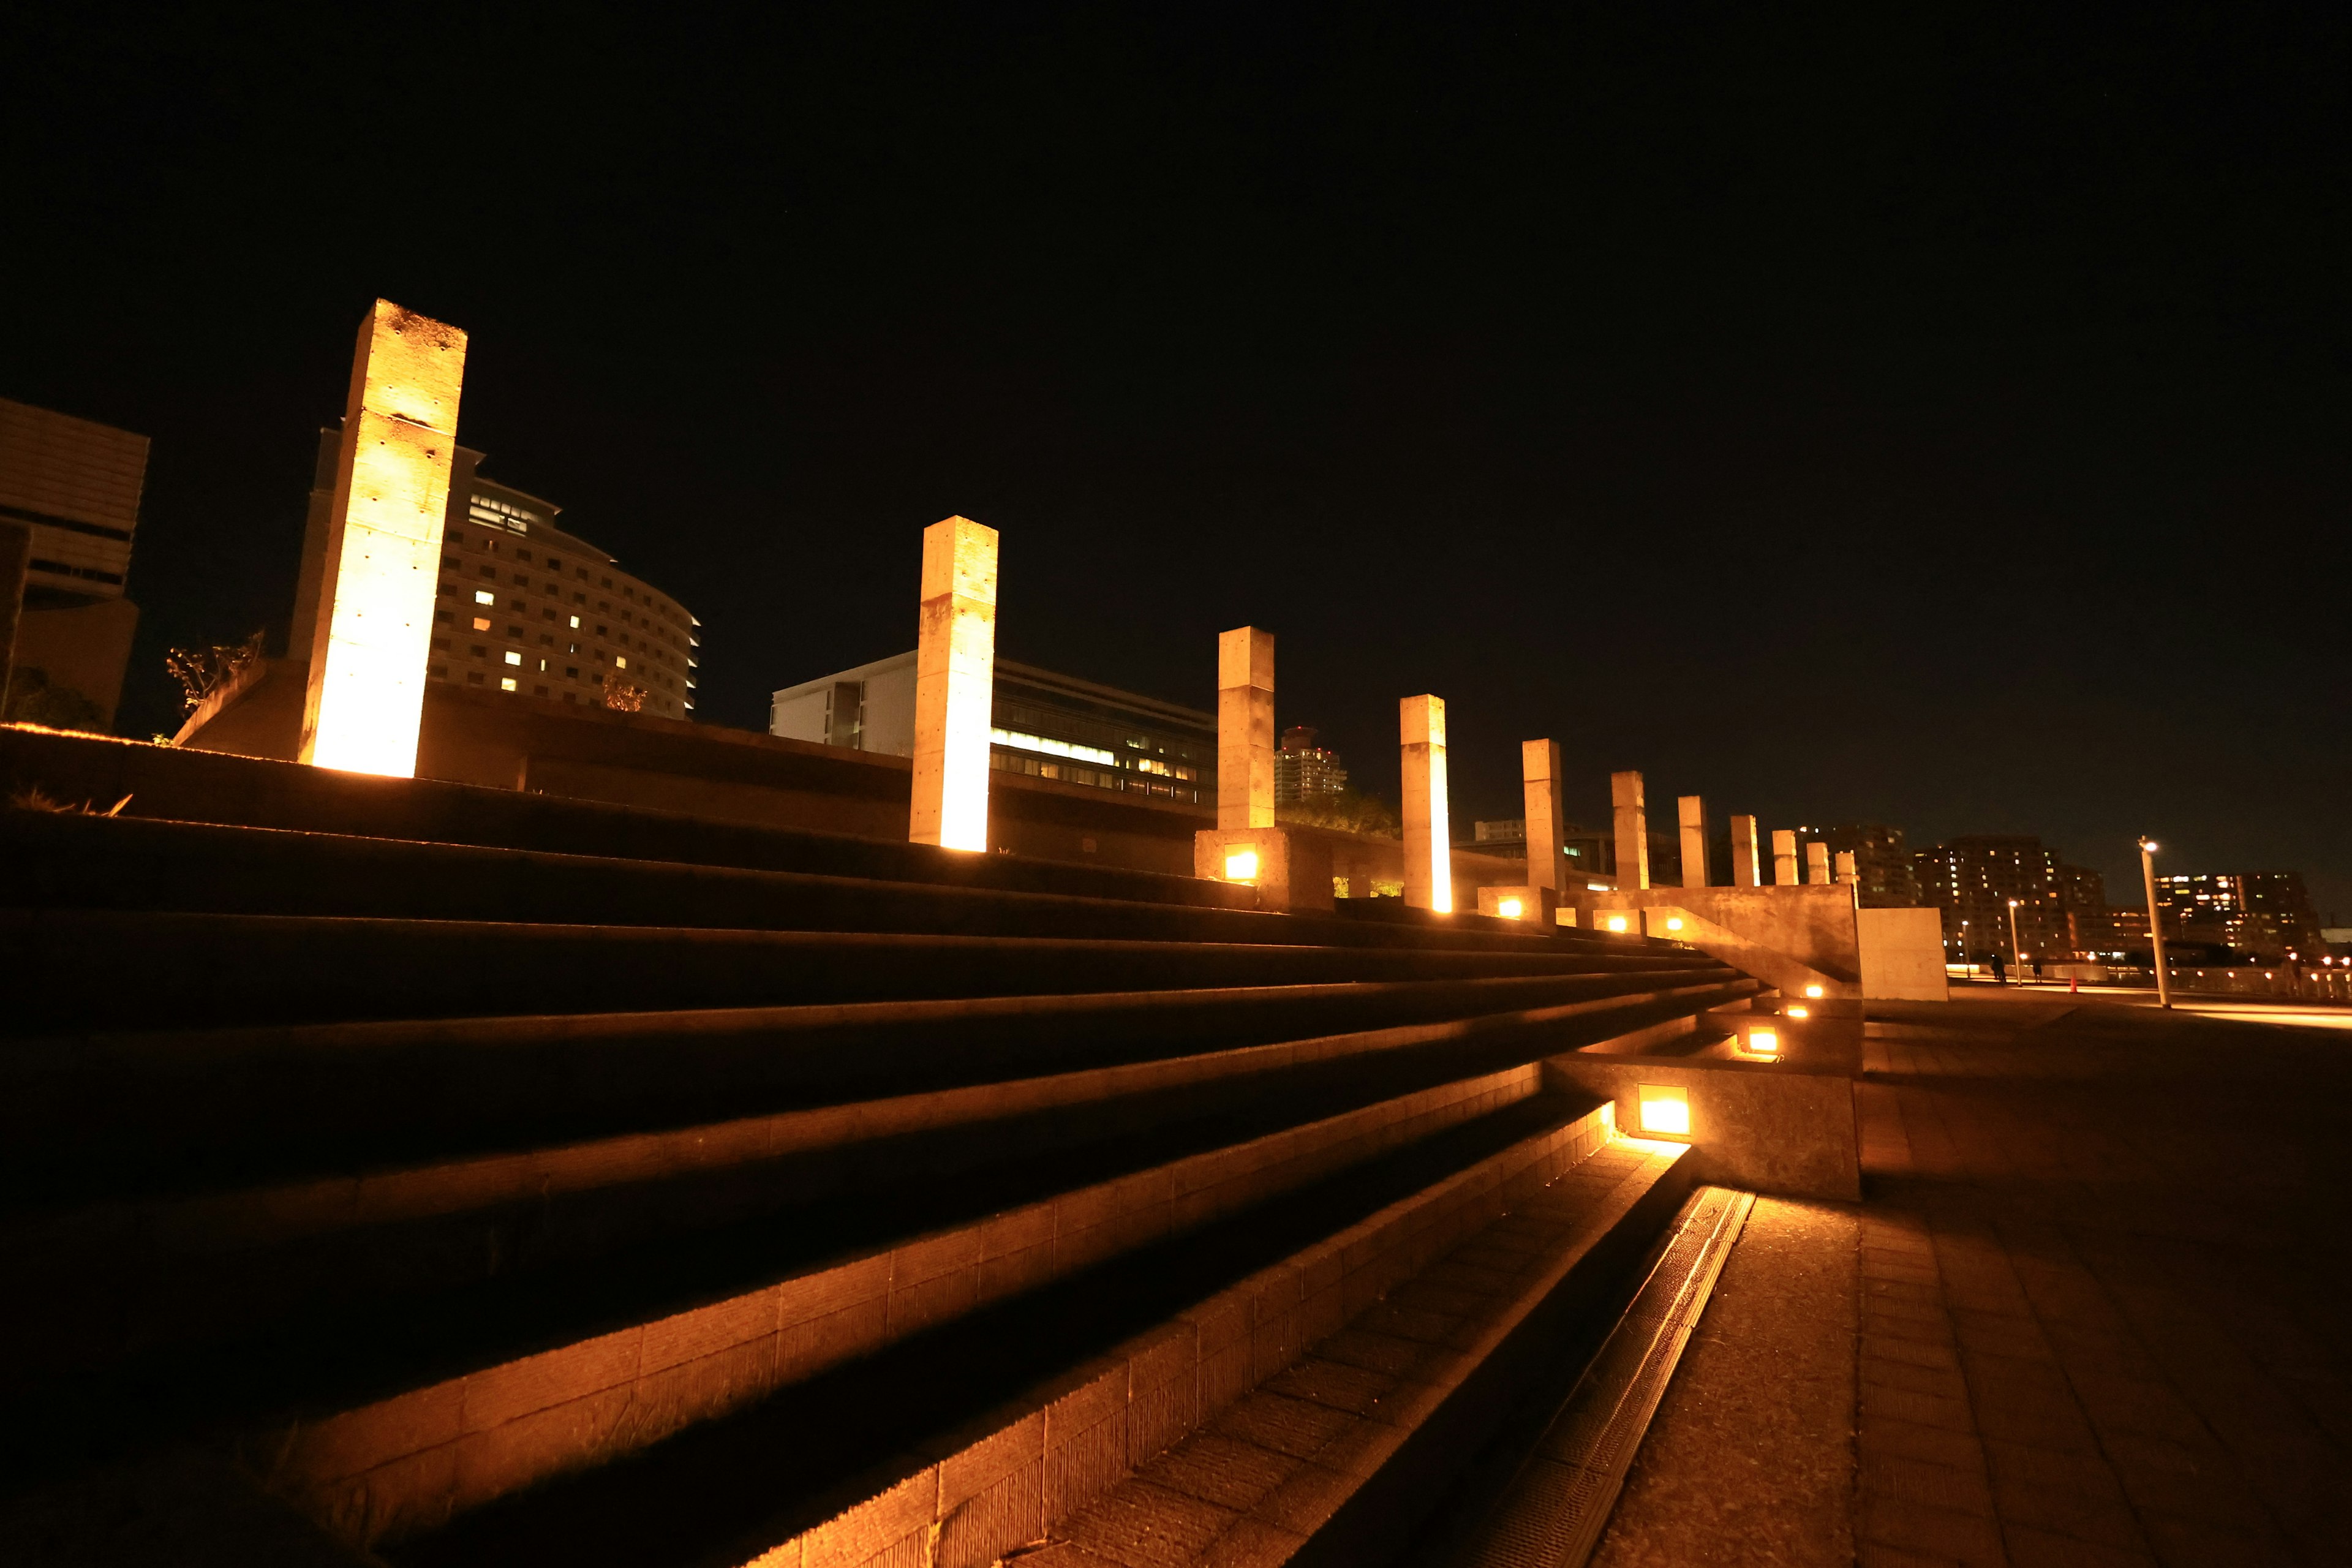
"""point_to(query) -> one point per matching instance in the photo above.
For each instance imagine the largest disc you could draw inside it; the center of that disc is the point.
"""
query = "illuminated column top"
(1784, 858)
(1539, 785)
(1690, 812)
(955, 677)
(1428, 836)
(1244, 729)
(1744, 870)
(382, 557)
(1632, 825)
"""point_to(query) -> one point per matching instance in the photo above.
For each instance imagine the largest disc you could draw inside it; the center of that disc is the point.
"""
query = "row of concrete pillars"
(1631, 823)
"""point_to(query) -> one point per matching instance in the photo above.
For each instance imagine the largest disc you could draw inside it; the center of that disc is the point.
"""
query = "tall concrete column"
(1846, 870)
(1817, 863)
(1743, 852)
(1784, 858)
(1246, 728)
(1690, 810)
(1539, 782)
(381, 561)
(1428, 836)
(955, 681)
(1632, 827)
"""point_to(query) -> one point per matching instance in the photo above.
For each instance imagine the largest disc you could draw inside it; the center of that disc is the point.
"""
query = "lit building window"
(513, 659)
(505, 683)
(484, 597)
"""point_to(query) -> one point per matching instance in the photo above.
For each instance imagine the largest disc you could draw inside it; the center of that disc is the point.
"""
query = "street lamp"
(2155, 923)
(2016, 958)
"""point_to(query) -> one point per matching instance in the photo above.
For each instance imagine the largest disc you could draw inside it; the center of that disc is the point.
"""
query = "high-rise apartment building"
(2267, 913)
(1042, 724)
(1972, 880)
(1305, 771)
(527, 608)
(1883, 867)
(72, 487)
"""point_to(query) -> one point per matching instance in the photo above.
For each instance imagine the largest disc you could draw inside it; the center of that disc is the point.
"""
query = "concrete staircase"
(618, 1188)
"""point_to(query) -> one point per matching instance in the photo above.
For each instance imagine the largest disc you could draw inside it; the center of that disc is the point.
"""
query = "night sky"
(1938, 417)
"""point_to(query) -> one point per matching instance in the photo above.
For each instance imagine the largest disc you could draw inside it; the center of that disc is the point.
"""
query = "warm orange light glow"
(1428, 836)
(1814, 992)
(366, 694)
(1616, 922)
(1675, 924)
(1763, 1042)
(1510, 909)
(1800, 1012)
(1665, 1109)
(955, 678)
(1241, 866)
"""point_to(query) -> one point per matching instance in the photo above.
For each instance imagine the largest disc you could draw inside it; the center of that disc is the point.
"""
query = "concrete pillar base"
(1290, 872)
(1538, 907)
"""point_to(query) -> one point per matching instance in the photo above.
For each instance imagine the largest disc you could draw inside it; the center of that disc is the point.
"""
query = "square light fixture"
(1665, 1109)
(1800, 1012)
(1814, 992)
(1241, 866)
(1616, 922)
(1674, 922)
(1762, 1043)
(1510, 909)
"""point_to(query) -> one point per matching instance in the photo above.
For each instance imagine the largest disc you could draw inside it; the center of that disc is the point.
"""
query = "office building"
(73, 486)
(527, 608)
(1305, 771)
(1042, 724)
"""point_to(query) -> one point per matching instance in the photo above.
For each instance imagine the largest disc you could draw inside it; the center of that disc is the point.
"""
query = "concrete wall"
(1901, 954)
(86, 648)
(1812, 925)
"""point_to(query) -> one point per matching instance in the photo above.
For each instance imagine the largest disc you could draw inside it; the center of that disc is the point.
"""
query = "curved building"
(527, 608)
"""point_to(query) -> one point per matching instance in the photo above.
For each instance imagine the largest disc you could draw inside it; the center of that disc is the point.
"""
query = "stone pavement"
(2103, 1266)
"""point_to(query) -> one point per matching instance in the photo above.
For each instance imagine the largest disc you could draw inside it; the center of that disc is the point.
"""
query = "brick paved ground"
(2106, 1303)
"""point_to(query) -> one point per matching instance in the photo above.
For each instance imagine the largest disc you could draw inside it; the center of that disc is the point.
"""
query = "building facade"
(1042, 724)
(1305, 771)
(2266, 913)
(527, 608)
(1972, 879)
(73, 486)
(1887, 877)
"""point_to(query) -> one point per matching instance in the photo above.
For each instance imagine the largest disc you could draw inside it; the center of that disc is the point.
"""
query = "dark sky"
(1932, 415)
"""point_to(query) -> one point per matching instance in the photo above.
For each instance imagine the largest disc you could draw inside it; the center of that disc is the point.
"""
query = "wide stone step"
(68, 860)
(1335, 1461)
(131, 1278)
(214, 787)
(126, 1115)
(108, 970)
(971, 1438)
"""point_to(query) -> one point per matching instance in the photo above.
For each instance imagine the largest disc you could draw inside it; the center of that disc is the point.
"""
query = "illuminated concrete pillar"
(1428, 836)
(1846, 870)
(1784, 858)
(1540, 780)
(955, 678)
(1817, 863)
(1244, 729)
(1743, 852)
(1632, 825)
(1690, 811)
(381, 564)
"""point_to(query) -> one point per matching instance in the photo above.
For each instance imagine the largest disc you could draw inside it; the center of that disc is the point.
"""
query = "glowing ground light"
(1800, 1012)
(1814, 992)
(1675, 924)
(1510, 909)
(1242, 865)
(1665, 1109)
(1764, 1042)
(1616, 922)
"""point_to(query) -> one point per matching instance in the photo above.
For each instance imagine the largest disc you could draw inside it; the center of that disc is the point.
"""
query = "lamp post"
(2155, 922)
(2016, 957)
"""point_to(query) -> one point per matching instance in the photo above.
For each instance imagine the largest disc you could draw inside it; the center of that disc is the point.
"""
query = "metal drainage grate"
(1550, 1515)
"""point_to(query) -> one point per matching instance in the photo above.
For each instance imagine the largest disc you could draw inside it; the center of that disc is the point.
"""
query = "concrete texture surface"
(2102, 1285)
(1750, 1459)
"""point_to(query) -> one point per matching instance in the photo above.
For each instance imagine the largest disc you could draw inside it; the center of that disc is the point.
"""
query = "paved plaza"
(2091, 1310)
